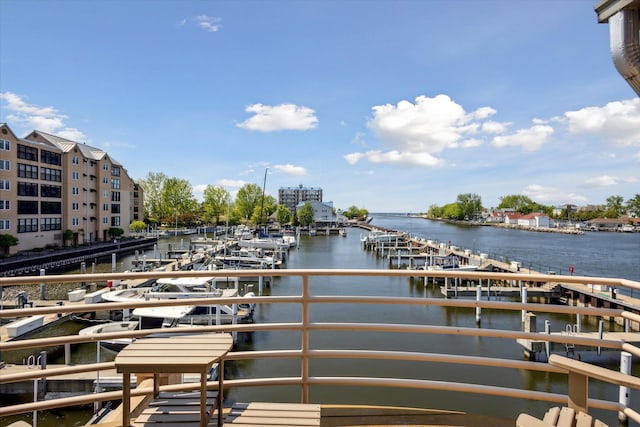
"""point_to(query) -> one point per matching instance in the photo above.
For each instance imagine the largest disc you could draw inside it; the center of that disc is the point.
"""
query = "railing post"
(624, 397)
(42, 286)
(305, 339)
(578, 392)
(478, 308)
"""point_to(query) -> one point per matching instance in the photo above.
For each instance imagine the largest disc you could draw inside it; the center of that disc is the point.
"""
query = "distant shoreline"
(507, 226)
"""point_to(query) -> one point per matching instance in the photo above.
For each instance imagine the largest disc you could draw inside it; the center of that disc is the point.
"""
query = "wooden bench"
(259, 414)
(175, 409)
(556, 417)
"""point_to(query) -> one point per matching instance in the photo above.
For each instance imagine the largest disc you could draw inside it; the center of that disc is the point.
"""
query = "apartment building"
(50, 184)
(291, 197)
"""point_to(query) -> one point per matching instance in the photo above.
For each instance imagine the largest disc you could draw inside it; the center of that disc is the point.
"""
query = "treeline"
(469, 207)
(170, 201)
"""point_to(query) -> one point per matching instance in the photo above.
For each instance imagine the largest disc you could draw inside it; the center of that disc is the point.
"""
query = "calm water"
(603, 254)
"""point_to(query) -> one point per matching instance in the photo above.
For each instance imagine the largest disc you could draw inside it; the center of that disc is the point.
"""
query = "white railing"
(305, 352)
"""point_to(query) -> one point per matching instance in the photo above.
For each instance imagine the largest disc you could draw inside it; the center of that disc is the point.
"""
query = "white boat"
(377, 235)
(275, 244)
(449, 263)
(113, 344)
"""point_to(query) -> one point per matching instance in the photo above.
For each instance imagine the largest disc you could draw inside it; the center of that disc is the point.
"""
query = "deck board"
(273, 414)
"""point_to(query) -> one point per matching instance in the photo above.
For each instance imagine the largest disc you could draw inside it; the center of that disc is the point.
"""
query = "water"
(592, 254)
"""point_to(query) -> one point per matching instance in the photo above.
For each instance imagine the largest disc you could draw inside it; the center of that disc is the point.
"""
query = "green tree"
(469, 205)
(115, 232)
(614, 206)
(266, 207)
(305, 214)
(356, 212)
(177, 200)
(67, 235)
(215, 203)
(137, 226)
(6, 241)
(633, 206)
(247, 199)
(434, 211)
(452, 211)
(153, 185)
(283, 215)
(518, 202)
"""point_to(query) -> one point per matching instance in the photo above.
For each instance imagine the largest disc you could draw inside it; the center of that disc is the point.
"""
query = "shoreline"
(573, 231)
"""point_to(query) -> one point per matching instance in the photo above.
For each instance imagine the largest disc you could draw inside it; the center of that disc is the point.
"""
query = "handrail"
(306, 353)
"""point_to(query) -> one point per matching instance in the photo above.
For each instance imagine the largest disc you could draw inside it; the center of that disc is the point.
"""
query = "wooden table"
(194, 353)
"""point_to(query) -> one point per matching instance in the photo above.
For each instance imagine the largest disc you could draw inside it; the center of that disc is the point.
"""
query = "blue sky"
(386, 105)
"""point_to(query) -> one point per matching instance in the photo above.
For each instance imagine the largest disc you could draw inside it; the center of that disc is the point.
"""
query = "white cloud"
(396, 158)
(291, 170)
(551, 195)
(528, 139)
(46, 119)
(495, 127)
(207, 23)
(280, 117)
(233, 183)
(617, 122)
(608, 181)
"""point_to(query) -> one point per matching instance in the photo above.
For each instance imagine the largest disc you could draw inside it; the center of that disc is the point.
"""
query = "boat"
(448, 263)
(381, 236)
(113, 344)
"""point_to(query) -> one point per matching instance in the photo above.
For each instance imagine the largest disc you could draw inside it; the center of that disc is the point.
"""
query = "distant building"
(323, 214)
(50, 184)
(535, 219)
(567, 209)
(291, 197)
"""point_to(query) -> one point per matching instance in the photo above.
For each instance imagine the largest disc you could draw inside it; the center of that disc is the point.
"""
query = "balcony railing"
(307, 350)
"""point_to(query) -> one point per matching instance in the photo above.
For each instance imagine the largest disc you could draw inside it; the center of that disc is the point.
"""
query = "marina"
(344, 255)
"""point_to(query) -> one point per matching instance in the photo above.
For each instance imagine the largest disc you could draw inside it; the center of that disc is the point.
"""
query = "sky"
(391, 106)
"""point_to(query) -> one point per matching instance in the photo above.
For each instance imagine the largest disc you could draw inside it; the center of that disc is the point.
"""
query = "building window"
(48, 224)
(105, 193)
(27, 207)
(115, 196)
(115, 171)
(50, 208)
(105, 166)
(27, 153)
(48, 174)
(54, 191)
(105, 207)
(5, 165)
(50, 158)
(105, 180)
(5, 145)
(75, 160)
(105, 220)
(115, 208)
(29, 189)
(75, 190)
(115, 221)
(27, 171)
(5, 224)
(5, 184)
(75, 176)
(5, 205)
(115, 183)
(75, 221)
(27, 225)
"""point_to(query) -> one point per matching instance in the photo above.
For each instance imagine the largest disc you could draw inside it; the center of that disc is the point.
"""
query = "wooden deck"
(175, 409)
(258, 414)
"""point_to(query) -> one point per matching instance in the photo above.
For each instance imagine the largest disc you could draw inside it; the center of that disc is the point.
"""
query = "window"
(75, 160)
(29, 189)
(27, 153)
(75, 221)
(48, 174)
(105, 207)
(75, 206)
(105, 180)
(115, 208)
(5, 184)
(75, 190)
(27, 207)
(27, 225)
(50, 208)
(105, 220)
(51, 191)
(75, 176)
(115, 196)
(27, 171)
(50, 158)
(105, 166)
(5, 205)
(105, 193)
(48, 224)
(5, 224)
(115, 183)
(115, 171)
(115, 221)
(5, 165)
(5, 145)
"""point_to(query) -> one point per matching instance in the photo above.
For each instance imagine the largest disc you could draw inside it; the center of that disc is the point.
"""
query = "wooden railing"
(576, 371)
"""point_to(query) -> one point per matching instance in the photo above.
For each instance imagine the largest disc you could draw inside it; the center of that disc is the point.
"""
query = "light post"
(175, 230)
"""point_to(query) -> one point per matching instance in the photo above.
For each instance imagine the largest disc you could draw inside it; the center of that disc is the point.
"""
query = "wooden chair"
(557, 417)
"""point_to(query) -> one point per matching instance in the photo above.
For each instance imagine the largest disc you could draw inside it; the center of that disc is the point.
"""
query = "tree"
(215, 203)
(517, 202)
(469, 205)
(452, 211)
(177, 198)
(247, 199)
(305, 214)
(66, 236)
(283, 214)
(356, 212)
(137, 226)
(153, 185)
(633, 206)
(266, 207)
(6, 241)
(116, 232)
(614, 206)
